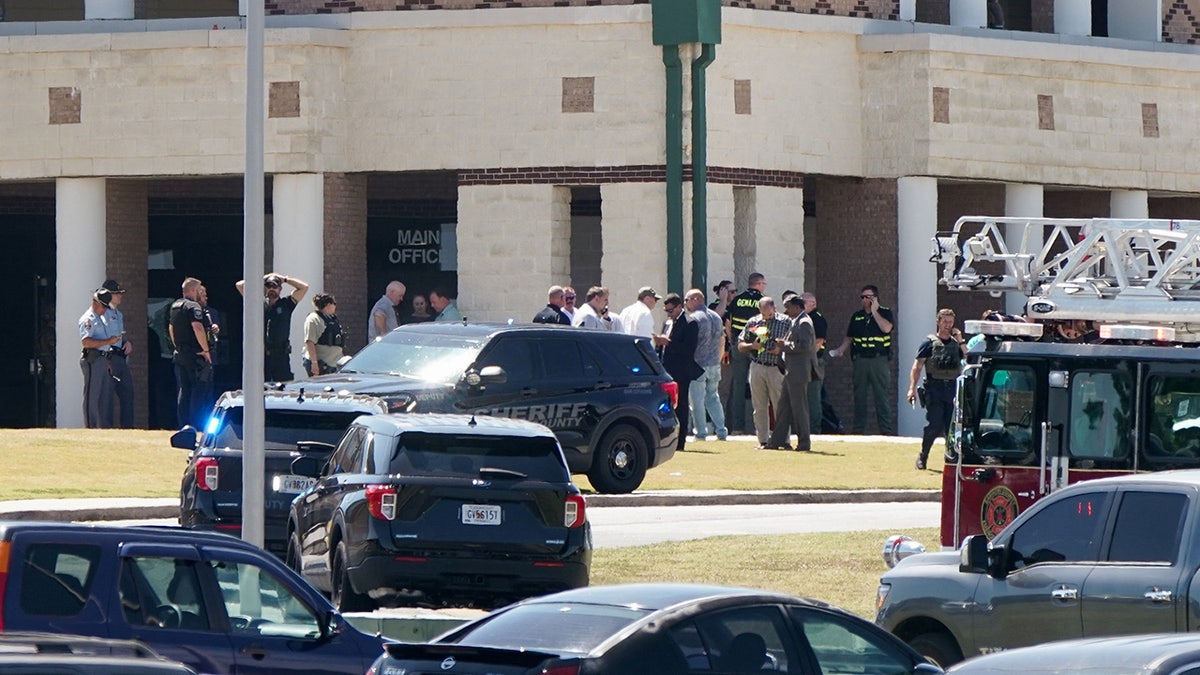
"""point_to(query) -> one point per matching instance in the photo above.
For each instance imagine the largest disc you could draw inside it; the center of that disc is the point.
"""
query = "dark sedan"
(663, 629)
(1166, 653)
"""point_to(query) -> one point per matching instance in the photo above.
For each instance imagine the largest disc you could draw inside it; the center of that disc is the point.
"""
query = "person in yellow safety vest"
(869, 338)
(741, 309)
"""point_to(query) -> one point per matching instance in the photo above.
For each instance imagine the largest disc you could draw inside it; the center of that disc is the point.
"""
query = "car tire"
(619, 461)
(342, 593)
(938, 647)
(292, 560)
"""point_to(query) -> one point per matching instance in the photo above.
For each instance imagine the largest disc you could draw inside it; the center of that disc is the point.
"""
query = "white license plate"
(480, 514)
(292, 484)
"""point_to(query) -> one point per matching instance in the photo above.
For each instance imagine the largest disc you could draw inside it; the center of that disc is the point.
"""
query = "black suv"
(434, 509)
(208, 600)
(296, 424)
(605, 395)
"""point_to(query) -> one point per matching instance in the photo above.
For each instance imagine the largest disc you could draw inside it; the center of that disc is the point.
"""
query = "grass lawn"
(45, 463)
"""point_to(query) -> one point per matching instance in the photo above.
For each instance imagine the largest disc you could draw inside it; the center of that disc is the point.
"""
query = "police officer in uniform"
(742, 308)
(941, 356)
(191, 357)
(324, 338)
(118, 355)
(277, 323)
(97, 341)
(870, 335)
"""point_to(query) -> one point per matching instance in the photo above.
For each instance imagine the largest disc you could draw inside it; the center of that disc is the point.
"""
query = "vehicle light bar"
(1126, 332)
(1006, 328)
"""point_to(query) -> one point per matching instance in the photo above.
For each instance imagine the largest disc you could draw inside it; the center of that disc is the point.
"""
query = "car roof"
(487, 330)
(1181, 477)
(156, 533)
(456, 424)
(657, 596)
(315, 399)
(1156, 653)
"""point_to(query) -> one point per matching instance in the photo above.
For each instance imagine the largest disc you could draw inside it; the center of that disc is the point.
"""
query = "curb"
(99, 510)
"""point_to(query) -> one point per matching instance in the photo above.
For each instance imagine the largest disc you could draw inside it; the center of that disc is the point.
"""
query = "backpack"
(945, 362)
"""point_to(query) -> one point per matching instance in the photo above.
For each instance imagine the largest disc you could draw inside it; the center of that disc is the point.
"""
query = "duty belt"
(114, 352)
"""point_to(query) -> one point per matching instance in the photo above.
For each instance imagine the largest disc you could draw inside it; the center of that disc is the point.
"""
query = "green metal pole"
(674, 72)
(700, 166)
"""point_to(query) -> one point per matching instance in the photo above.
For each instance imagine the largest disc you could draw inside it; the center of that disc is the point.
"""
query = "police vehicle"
(296, 424)
(605, 395)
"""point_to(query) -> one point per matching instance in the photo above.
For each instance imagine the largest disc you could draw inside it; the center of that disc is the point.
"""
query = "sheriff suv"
(296, 424)
(434, 509)
(605, 395)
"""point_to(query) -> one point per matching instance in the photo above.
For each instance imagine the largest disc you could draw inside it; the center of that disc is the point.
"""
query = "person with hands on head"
(869, 338)
(941, 357)
(277, 323)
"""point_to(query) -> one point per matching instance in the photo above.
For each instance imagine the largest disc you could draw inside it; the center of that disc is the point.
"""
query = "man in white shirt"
(636, 319)
(594, 312)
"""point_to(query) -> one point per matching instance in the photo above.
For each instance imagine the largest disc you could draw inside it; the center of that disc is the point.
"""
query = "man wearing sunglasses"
(869, 337)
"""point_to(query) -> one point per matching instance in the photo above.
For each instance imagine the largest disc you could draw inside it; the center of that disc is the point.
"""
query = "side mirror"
(185, 438)
(485, 375)
(977, 556)
(308, 466)
(343, 361)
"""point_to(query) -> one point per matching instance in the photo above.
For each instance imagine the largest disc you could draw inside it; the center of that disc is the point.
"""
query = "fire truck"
(1099, 377)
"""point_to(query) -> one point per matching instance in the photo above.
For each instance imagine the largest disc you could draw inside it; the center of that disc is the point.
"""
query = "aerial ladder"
(1112, 272)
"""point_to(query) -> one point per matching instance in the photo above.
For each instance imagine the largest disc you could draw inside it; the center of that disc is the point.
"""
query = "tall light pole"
(253, 454)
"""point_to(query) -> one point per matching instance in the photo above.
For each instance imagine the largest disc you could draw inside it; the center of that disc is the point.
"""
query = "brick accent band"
(645, 173)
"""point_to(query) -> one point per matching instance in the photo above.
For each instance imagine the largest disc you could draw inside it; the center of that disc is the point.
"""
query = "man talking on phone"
(869, 337)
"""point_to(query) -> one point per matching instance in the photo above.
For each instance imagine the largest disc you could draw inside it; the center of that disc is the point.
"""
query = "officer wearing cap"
(277, 323)
(118, 356)
(97, 341)
(636, 319)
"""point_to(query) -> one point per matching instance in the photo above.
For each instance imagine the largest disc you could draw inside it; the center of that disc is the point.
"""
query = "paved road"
(620, 526)
(614, 527)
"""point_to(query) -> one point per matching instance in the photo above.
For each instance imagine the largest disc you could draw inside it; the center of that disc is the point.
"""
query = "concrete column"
(241, 7)
(1021, 200)
(908, 10)
(780, 221)
(80, 229)
(1073, 17)
(524, 234)
(630, 260)
(1129, 204)
(916, 224)
(108, 9)
(1136, 20)
(968, 13)
(299, 245)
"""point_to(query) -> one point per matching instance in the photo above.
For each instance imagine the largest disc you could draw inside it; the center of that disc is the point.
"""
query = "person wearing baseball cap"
(636, 319)
(96, 341)
(277, 323)
(118, 360)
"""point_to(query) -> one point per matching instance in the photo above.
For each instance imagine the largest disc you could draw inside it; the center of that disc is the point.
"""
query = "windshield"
(284, 428)
(564, 628)
(418, 453)
(433, 358)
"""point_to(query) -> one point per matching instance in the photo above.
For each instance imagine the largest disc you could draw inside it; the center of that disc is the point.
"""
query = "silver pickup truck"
(1111, 556)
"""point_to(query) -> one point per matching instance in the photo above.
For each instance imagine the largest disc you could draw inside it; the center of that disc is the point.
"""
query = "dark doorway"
(27, 363)
(208, 247)
(1100, 18)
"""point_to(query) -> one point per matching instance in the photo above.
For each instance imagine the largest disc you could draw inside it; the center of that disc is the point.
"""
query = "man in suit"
(800, 367)
(677, 349)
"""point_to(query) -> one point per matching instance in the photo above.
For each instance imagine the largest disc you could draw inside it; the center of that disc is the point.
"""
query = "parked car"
(55, 654)
(296, 424)
(1103, 557)
(605, 395)
(440, 508)
(210, 601)
(1161, 654)
(665, 629)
